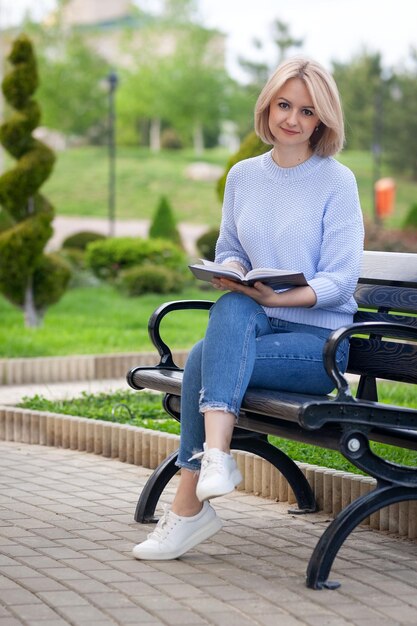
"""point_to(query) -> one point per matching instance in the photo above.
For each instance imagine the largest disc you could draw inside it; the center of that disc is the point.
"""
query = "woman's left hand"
(266, 296)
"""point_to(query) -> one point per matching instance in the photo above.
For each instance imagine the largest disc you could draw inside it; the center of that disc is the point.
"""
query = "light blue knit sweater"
(306, 218)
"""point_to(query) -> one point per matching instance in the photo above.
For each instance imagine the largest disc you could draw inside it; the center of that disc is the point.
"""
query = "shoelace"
(211, 460)
(164, 526)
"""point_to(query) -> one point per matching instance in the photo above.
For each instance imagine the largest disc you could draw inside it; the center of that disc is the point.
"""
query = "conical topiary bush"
(29, 278)
(163, 225)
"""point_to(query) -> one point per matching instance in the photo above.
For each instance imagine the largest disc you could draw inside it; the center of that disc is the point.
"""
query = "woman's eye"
(307, 112)
(283, 105)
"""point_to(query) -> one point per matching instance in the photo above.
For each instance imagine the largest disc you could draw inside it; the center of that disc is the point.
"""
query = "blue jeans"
(244, 348)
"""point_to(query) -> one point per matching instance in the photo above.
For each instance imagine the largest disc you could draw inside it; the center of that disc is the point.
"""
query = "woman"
(294, 207)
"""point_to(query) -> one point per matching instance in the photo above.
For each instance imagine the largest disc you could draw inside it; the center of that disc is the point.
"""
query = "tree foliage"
(358, 83)
(72, 90)
(29, 278)
(176, 79)
(400, 120)
(185, 89)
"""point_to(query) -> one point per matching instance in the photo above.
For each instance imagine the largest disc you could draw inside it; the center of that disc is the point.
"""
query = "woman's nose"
(292, 118)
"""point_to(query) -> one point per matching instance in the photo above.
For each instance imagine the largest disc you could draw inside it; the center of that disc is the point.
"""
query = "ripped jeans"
(244, 348)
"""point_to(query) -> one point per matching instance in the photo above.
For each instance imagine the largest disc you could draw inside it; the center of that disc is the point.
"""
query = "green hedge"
(109, 257)
(141, 279)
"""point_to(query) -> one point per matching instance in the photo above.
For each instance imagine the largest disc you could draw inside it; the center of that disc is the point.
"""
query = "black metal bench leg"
(156, 483)
(340, 528)
(290, 470)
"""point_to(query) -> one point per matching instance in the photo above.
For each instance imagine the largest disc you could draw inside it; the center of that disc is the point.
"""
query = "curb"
(87, 367)
(148, 448)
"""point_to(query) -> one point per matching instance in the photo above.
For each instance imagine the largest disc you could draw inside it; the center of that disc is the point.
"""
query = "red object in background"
(384, 196)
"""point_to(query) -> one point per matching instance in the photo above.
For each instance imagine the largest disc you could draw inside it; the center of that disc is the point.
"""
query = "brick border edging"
(140, 446)
(72, 368)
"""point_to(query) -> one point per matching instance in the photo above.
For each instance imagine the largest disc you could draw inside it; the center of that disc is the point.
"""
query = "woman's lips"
(289, 132)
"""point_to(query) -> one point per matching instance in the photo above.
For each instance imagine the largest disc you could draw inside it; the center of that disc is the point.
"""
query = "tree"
(259, 71)
(196, 89)
(359, 82)
(283, 39)
(400, 121)
(71, 92)
(29, 278)
(185, 89)
(142, 97)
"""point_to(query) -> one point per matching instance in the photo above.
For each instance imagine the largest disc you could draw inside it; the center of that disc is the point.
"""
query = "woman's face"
(292, 117)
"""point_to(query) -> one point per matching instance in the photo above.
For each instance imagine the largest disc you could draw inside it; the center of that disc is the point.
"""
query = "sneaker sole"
(204, 493)
(198, 537)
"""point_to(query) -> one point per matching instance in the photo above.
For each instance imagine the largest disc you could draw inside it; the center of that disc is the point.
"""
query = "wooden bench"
(381, 347)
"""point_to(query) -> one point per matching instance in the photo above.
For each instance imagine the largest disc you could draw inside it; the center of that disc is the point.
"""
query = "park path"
(66, 536)
(65, 226)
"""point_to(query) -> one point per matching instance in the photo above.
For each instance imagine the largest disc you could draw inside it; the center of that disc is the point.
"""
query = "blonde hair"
(329, 138)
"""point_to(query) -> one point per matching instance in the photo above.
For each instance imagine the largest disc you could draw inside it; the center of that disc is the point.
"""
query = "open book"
(277, 279)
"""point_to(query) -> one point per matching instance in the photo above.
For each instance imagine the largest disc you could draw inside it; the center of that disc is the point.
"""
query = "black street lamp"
(112, 80)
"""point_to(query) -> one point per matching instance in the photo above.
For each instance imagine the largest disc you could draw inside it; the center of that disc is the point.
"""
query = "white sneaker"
(174, 534)
(218, 475)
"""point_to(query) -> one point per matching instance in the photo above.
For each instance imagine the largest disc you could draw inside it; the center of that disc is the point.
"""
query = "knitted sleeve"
(341, 251)
(228, 247)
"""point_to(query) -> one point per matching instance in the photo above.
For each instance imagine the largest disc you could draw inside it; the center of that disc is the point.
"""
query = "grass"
(79, 184)
(98, 320)
(124, 407)
(144, 409)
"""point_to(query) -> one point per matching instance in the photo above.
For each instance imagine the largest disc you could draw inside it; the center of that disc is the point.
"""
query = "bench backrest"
(387, 291)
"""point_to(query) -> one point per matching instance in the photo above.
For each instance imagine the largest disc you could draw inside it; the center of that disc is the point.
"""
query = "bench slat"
(278, 413)
(376, 316)
(383, 359)
(393, 298)
(389, 267)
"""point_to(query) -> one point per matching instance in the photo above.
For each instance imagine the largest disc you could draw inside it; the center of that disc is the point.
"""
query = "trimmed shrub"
(163, 225)
(81, 240)
(29, 278)
(109, 257)
(136, 281)
(74, 257)
(50, 280)
(5, 221)
(206, 244)
(411, 217)
(251, 146)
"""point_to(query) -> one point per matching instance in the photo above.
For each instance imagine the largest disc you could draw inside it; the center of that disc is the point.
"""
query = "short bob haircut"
(328, 140)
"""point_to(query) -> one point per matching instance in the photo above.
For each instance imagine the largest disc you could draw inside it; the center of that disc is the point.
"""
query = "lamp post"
(112, 80)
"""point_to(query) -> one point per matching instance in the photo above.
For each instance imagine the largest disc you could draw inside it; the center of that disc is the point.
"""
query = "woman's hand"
(266, 296)
(262, 294)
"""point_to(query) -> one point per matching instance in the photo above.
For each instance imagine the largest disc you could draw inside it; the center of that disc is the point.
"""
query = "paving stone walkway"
(67, 529)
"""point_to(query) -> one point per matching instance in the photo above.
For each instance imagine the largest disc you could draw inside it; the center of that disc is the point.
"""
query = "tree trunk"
(33, 318)
(155, 135)
(198, 139)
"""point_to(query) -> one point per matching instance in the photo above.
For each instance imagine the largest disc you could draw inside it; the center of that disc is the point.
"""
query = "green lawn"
(79, 184)
(97, 320)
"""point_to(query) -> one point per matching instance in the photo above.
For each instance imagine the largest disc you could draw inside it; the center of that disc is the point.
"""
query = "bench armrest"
(157, 316)
(337, 336)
